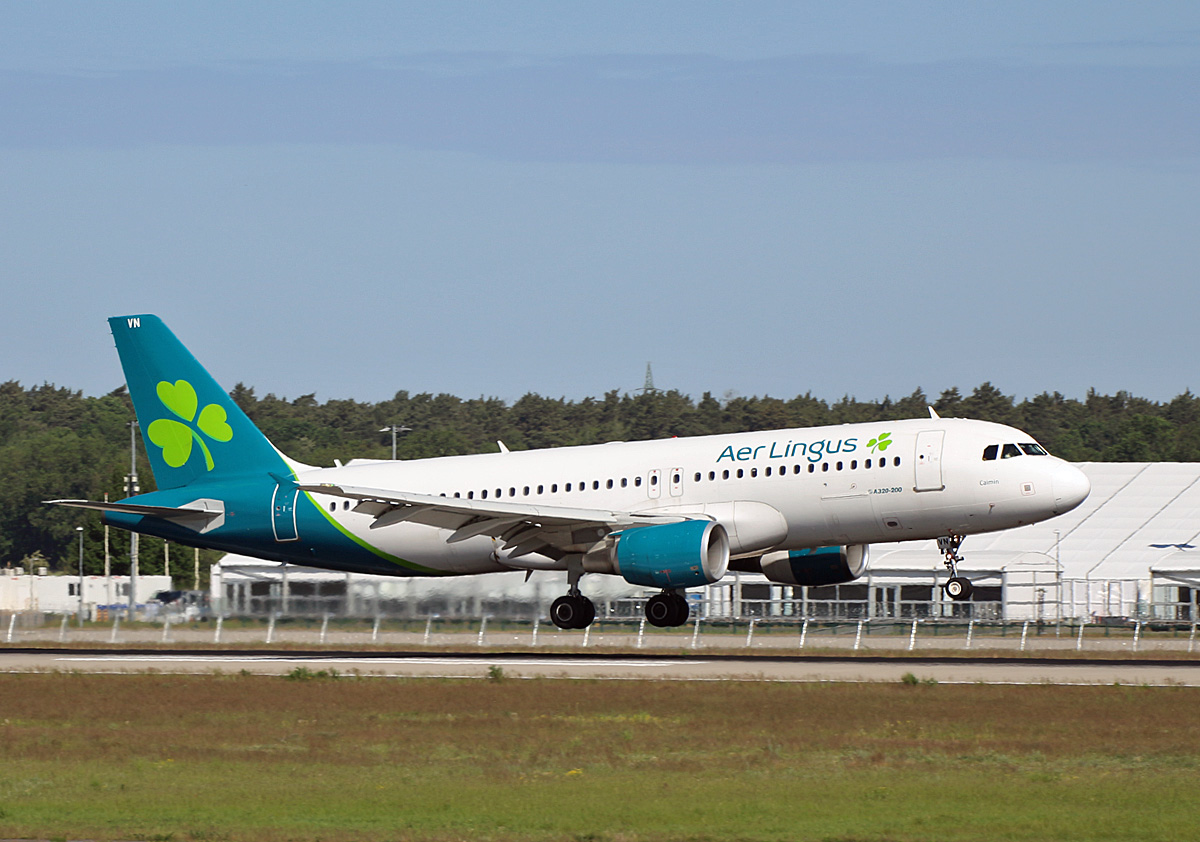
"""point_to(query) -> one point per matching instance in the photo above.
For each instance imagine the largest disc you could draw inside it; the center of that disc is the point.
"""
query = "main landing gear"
(573, 611)
(576, 611)
(959, 587)
(669, 608)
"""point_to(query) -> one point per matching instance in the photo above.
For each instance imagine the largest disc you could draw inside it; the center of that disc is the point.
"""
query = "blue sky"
(492, 199)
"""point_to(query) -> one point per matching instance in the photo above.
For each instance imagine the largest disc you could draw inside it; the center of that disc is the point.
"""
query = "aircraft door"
(654, 484)
(676, 486)
(929, 460)
(283, 513)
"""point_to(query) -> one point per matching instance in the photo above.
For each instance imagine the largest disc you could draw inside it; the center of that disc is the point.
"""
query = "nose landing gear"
(959, 587)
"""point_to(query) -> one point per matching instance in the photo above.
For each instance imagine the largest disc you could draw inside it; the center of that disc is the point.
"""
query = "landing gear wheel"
(667, 609)
(682, 611)
(659, 610)
(958, 588)
(587, 614)
(572, 611)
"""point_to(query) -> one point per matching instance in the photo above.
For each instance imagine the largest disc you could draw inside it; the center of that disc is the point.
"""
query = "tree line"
(57, 443)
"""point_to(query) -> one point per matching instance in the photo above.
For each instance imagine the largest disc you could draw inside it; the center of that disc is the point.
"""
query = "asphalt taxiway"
(610, 666)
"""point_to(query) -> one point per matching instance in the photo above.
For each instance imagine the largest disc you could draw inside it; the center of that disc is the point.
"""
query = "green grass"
(346, 758)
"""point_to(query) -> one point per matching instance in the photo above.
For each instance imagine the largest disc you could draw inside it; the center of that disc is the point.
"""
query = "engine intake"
(816, 567)
(673, 555)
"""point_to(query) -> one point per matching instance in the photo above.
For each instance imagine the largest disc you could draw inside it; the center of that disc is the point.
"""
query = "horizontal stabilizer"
(201, 515)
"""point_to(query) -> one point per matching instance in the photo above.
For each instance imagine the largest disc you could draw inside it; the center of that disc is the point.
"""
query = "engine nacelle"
(673, 555)
(820, 566)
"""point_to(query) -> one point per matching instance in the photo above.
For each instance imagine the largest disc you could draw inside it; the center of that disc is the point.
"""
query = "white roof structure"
(1141, 518)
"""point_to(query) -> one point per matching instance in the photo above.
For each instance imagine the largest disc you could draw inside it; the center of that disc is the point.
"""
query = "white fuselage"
(847, 484)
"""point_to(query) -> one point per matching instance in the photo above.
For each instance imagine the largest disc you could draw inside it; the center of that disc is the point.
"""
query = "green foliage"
(305, 674)
(56, 443)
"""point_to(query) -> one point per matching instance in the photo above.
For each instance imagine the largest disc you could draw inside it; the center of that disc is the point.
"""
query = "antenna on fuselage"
(933, 413)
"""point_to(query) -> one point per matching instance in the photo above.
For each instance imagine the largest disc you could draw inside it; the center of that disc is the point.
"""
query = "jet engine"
(815, 567)
(672, 555)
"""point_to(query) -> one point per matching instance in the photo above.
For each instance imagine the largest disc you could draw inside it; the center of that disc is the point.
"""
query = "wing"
(524, 528)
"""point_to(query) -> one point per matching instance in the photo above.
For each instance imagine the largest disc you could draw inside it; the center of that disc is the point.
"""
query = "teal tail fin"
(192, 429)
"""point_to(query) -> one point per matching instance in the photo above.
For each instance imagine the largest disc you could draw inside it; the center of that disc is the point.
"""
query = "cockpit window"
(990, 452)
(1009, 451)
(1032, 449)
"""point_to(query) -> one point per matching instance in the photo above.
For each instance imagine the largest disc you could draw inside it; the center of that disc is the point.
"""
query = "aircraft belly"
(427, 546)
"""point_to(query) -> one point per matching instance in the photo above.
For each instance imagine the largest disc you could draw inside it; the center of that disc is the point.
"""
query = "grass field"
(324, 758)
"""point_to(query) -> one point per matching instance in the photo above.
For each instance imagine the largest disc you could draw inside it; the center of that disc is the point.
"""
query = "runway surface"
(610, 666)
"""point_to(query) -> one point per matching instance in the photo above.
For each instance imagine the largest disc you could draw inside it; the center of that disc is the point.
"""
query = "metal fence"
(622, 627)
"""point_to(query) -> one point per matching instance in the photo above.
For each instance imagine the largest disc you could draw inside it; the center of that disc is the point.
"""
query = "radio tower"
(648, 386)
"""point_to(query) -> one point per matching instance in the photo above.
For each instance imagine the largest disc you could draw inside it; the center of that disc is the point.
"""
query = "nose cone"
(1071, 487)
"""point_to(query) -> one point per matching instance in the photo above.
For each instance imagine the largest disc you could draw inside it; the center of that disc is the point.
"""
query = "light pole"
(79, 529)
(393, 429)
(1058, 569)
(133, 536)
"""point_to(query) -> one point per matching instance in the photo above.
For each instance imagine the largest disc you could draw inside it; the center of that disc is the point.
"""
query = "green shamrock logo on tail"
(881, 443)
(175, 438)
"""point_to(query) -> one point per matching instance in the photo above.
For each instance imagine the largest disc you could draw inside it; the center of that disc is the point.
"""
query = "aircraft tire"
(567, 611)
(958, 588)
(587, 612)
(681, 610)
(661, 610)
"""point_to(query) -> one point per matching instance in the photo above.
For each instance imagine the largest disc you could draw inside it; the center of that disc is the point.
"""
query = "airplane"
(800, 506)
